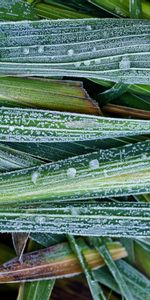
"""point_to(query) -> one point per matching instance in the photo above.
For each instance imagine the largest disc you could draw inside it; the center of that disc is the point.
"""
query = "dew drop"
(34, 177)
(11, 128)
(97, 61)
(88, 27)
(124, 64)
(26, 50)
(144, 156)
(94, 164)
(40, 49)
(70, 52)
(40, 219)
(87, 62)
(77, 64)
(71, 172)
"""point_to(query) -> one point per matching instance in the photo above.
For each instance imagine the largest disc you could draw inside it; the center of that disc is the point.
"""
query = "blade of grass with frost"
(47, 94)
(95, 288)
(12, 159)
(86, 219)
(118, 8)
(55, 262)
(115, 172)
(110, 49)
(11, 10)
(100, 245)
(32, 125)
(58, 151)
(137, 282)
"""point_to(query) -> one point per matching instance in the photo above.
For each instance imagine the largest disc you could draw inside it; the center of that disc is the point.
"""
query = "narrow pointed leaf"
(36, 290)
(54, 262)
(121, 8)
(96, 290)
(115, 172)
(31, 125)
(136, 281)
(19, 242)
(104, 252)
(92, 219)
(135, 9)
(110, 49)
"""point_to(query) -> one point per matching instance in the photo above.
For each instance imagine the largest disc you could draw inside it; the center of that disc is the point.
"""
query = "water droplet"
(87, 62)
(77, 64)
(71, 172)
(11, 128)
(40, 219)
(94, 49)
(124, 64)
(70, 52)
(26, 50)
(97, 61)
(41, 49)
(34, 177)
(88, 27)
(94, 164)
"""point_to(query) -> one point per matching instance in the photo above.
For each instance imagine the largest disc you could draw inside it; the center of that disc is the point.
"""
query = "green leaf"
(58, 151)
(115, 172)
(57, 11)
(121, 8)
(142, 255)
(104, 252)
(114, 92)
(135, 9)
(47, 94)
(36, 290)
(96, 290)
(109, 49)
(15, 10)
(136, 281)
(126, 219)
(32, 125)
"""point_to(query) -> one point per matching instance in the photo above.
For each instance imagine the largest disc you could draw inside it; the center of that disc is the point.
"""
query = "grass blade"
(96, 291)
(101, 247)
(47, 94)
(36, 290)
(31, 125)
(54, 262)
(109, 49)
(136, 281)
(115, 172)
(90, 219)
